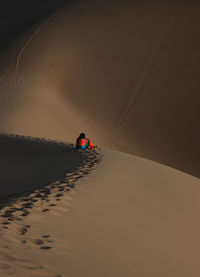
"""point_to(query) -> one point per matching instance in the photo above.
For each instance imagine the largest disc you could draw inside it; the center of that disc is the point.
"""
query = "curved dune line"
(34, 35)
(134, 95)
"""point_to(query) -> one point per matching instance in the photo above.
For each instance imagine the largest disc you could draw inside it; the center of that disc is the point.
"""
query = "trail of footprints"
(43, 198)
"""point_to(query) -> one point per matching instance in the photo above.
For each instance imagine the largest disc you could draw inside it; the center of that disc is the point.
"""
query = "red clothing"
(84, 144)
(91, 145)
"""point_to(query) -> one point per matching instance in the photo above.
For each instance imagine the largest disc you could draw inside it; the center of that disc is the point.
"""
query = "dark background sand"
(129, 69)
(126, 73)
(28, 164)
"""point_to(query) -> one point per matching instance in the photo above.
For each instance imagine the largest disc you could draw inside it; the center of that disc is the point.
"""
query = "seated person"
(84, 143)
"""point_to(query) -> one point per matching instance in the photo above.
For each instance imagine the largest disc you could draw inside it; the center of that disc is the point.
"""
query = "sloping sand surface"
(127, 70)
(30, 163)
(140, 221)
(37, 177)
(127, 74)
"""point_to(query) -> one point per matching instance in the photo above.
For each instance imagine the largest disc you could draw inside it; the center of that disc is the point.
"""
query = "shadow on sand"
(30, 163)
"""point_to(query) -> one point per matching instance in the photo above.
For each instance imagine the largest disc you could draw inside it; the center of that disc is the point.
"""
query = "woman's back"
(83, 143)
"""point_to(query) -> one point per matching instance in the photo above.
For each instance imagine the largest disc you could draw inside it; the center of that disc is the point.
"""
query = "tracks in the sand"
(18, 219)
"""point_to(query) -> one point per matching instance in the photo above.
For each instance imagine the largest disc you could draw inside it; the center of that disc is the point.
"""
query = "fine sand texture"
(125, 72)
(128, 217)
(31, 163)
(38, 181)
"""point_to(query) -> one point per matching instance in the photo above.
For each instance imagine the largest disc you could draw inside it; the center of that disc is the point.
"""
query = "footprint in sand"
(23, 231)
(38, 241)
(34, 200)
(52, 205)
(27, 205)
(5, 223)
(26, 199)
(38, 195)
(46, 236)
(71, 185)
(59, 195)
(45, 247)
(45, 210)
(25, 213)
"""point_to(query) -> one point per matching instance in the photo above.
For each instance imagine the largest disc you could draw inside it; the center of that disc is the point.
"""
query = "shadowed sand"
(38, 178)
(127, 74)
(142, 220)
(30, 163)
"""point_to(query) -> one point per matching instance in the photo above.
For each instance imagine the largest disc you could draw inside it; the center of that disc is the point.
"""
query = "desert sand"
(128, 216)
(117, 69)
(127, 74)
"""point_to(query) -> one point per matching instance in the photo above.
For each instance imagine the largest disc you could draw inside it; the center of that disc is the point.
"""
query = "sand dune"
(29, 163)
(129, 71)
(38, 177)
(127, 74)
(128, 217)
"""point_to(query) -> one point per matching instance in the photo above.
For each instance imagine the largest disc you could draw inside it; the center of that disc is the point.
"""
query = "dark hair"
(81, 136)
